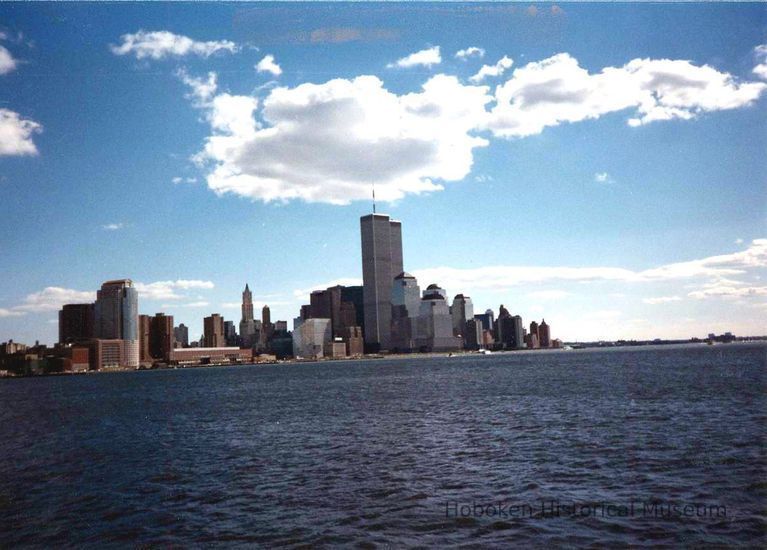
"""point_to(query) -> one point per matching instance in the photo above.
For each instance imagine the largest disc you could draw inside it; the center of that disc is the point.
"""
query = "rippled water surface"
(393, 451)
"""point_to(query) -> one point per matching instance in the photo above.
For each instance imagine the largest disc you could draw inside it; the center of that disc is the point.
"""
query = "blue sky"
(605, 170)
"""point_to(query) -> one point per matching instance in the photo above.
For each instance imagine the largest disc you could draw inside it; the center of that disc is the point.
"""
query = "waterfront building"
(201, 355)
(109, 353)
(144, 330)
(247, 322)
(405, 306)
(76, 323)
(355, 295)
(434, 326)
(266, 315)
(461, 311)
(544, 334)
(230, 334)
(512, 333)
(534, 330)
(213, 336)
(381, 261)
(181, 334)
(531, 341)
(311, 337)
(161, 337)
(280, 326)
(473, 335)
(355, 344)
(487, 318)
(116, 317)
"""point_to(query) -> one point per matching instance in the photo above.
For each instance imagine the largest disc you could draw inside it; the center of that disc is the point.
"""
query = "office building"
(76, 323)
(405, 307)
(247, 323)
(544, 334)
(230, 334)
(473, 336)
(434, 327)
(161, 337)
(116, 317)
(461, 311)
(144, 331)
(213, 328)
(487, 318)
(181, 334)
(381, 261)
(311, 337)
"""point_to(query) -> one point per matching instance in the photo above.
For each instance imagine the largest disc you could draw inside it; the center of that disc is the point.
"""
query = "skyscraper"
(544, 336)
(214, 331)
(381, 262)
(161, 336)
(75, 323)
(462, 311)
(266, 315)
(181, 333)
(116, 317)
(247, 324)
(405, 306)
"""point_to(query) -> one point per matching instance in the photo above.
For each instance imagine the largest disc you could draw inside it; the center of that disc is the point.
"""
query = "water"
(389, 452)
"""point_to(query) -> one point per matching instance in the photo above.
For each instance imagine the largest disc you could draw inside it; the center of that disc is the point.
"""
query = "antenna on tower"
(374, 197)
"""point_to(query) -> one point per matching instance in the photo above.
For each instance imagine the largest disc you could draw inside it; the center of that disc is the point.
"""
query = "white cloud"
(162, 44)
(178, 179)
(548, 294)
(330, 142)
(423, 58)
(472, 51)
(738, 241)
(52, 298)
(16, 134)
(112, 226)
(9, 313)
(502, 277)
(602, 177)
(7, 62)
(498, 69)
(557, 90)
(726, 291)
(661, 300)
(201, 90)
(201, 303)
(167, 290)
(268, 65)
(760, 70)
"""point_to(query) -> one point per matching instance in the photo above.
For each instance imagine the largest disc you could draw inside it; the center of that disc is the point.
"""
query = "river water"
(640, 446)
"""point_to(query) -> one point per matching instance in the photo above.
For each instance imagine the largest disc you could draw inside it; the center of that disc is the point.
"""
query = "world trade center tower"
(381, 262)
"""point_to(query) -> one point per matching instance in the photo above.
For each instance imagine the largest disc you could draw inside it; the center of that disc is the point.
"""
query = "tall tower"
(381, 262)
(247, 324)
(214, 331)
(116, 317)
(247, 304)
(266, 316)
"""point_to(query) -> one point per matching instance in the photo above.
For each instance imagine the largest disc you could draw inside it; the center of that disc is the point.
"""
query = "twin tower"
(381, 263)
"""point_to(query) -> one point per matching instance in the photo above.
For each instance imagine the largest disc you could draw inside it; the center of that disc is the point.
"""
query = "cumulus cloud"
(16, 134)
(7, 62)
(493, 70)
(472, 51)
(268, 65)
(602, 177)
(52, 298)
(163, 44)
(661, 300)
(112, 226)
(330, 142)
(557, 90)
(760, 70)
(423, 58)
(168, 290)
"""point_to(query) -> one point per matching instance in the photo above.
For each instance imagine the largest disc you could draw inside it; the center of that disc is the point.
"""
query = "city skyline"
(607, 220)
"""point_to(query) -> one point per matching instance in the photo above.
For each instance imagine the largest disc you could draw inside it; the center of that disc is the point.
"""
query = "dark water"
(389, 452)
